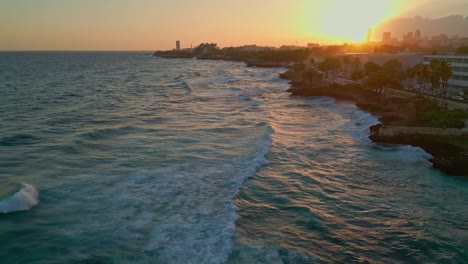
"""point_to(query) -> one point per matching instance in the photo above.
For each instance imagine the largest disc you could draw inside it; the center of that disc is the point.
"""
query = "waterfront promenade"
(403, 130)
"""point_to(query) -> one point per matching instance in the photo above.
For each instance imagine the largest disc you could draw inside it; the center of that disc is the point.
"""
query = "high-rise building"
(408, 38)
(369, 31)
(386, 36)
(417, 34)
(177, 44)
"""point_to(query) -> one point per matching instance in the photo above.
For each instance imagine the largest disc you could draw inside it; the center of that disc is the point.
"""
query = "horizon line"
(70, 50)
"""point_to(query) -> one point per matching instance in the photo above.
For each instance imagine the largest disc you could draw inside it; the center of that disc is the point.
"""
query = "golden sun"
(348, 20)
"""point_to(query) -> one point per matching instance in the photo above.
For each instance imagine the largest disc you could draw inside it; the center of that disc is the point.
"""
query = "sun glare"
(348, 21)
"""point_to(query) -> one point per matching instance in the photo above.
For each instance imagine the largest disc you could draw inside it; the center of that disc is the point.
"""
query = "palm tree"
(423, 73)
(435, 74)
(378, 80)
(356, 63)
(346, 62)
(312, 75)
(410, 74)
(335, 65)
(330, 64)
(370, 67)
(445, 72)
(312, 62)
(325, 67)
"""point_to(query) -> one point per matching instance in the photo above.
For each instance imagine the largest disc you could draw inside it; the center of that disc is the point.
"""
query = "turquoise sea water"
(125, 158)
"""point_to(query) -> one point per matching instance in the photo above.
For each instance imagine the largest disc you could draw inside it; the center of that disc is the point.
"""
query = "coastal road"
(450, 104)
(401, 93)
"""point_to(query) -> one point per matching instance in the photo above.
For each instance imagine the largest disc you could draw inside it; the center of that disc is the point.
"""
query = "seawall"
(390, 131)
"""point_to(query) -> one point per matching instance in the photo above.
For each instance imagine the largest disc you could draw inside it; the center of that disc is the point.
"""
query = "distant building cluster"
(410, 50)
(417, 38)
(313, 45)
(407, 59)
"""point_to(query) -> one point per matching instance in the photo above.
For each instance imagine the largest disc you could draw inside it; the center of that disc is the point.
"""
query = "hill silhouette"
(450, 25)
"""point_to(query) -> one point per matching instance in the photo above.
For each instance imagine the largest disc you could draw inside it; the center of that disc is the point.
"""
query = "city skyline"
(149, 25)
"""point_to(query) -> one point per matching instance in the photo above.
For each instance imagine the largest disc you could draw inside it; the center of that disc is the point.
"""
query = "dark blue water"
(125, 158)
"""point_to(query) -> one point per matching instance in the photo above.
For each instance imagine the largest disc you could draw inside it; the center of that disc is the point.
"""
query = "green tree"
(434, 74)
(346, 63)
(356, 63)
(378, 80)
(423, 73)
(445, 72)
(395, 75)
(330, 64)
(312, 62)
(357, 75)
(312, 75)
(370, 68)
(299, 67)
(393, 65)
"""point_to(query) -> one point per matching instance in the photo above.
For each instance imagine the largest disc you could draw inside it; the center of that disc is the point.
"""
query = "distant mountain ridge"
(450, 25)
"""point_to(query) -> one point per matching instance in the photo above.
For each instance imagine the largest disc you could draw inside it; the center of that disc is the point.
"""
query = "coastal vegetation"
(449, 151)
(285, 55)
(389, 75)
(370, 94)
(330, 65)
(255, 57)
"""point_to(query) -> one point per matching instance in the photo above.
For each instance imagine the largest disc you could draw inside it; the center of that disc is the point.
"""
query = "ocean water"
(125, 158)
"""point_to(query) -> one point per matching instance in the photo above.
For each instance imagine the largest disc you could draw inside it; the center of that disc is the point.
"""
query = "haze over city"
(149, 25)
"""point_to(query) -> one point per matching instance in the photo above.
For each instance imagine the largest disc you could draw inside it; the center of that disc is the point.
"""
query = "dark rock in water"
(447, 154)
(268, 64)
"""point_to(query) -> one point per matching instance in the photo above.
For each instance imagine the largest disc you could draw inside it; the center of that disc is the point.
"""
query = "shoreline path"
(401, 93)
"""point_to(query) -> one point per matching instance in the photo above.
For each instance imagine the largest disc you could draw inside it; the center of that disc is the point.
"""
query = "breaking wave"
(23, 200)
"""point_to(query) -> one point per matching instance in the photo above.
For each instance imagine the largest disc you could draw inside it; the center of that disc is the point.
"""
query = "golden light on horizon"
(348, 21)
(150, 25)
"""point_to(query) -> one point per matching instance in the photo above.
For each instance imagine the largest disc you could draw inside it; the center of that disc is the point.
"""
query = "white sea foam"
(403, 153)
(23, 200)
(358, 126)
(360, 122)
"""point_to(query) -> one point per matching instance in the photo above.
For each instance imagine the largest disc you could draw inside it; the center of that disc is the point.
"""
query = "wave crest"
(23, 200)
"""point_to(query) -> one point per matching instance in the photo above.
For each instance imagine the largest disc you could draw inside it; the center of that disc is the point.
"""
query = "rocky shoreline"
(449, 151)
(447, 155)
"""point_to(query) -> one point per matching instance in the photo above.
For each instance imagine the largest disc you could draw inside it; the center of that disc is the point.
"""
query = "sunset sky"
(156, 24)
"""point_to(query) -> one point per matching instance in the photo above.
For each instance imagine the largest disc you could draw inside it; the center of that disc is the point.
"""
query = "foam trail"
(184, 83)
(23, 200)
